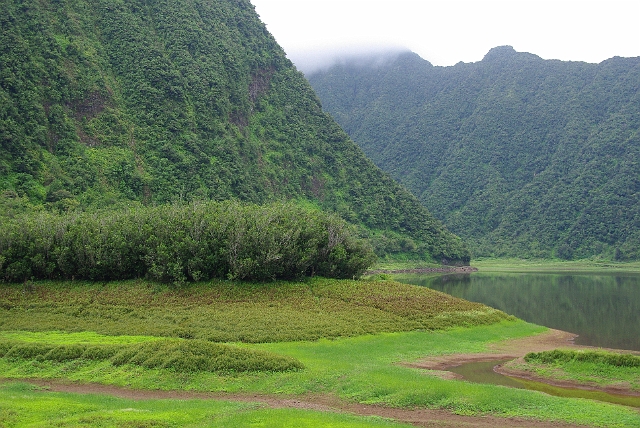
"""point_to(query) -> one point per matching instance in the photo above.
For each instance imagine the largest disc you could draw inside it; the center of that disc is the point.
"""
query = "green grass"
(557, 266)
(342, 360)
(178, 355)
(222, 311)
(361, 369)
(62, 338)
(589, 367)
(521, 265)
(396, 264)
(22, 405)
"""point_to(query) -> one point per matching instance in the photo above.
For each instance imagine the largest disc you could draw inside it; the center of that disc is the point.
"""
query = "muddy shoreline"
(319, 402)
(515, 350)
(508, 349)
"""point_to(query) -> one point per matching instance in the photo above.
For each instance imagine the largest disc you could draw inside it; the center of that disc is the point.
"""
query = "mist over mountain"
(518, 155)
(104, 104)
(321, 59)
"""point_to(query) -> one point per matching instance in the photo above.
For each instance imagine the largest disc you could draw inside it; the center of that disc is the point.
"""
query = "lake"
(602, 308)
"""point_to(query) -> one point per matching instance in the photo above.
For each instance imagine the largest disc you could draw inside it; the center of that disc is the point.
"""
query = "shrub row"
(178, 243)
(184, 356)
(598, 357)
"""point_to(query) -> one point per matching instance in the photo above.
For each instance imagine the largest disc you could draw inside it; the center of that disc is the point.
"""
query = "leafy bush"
(178, 243)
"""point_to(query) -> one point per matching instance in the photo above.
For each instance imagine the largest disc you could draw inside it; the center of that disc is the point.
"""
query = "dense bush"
(598, 357)
(178, 243)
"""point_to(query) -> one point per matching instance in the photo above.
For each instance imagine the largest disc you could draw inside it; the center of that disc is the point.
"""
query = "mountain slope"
(518, 155)
(157, 101)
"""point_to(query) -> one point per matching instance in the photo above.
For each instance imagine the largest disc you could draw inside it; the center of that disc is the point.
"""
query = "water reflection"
(483, 372)
(603, 309)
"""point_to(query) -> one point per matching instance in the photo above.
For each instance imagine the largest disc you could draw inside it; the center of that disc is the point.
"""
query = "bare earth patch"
(515, 350)
(508, 349)
(325, 403)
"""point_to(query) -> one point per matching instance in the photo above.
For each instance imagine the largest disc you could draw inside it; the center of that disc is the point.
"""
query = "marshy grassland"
(599, 368)
(315, 338)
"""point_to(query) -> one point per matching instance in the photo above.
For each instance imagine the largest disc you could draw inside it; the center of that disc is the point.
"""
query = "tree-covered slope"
(518, 155)
(104, 102)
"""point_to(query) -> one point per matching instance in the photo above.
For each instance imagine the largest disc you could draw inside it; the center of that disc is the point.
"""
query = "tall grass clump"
(597, 357)
(182, 356)
(179, 243)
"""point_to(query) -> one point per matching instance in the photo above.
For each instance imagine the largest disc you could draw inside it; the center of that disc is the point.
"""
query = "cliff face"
(104, 103)
(518, 155)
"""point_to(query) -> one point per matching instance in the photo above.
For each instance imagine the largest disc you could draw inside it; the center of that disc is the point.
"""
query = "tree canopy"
(518, 155)
(107, 102)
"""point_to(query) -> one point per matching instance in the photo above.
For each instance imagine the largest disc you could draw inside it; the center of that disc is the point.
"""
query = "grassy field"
(348, 336)
(521, 265)
(225, 311)
(558, 266)
(600, 368)
(23, 405)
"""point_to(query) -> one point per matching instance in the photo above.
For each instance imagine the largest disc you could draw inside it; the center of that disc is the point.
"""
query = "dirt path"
(515, 350)
(326, 403)
(509, 349)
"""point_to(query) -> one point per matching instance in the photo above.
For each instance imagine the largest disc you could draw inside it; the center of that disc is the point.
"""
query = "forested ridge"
(518, 155)
(107, 104)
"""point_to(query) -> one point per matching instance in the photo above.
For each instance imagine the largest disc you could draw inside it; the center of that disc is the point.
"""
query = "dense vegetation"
(176, 243)
(158, 101)
(518, 155)
(225, 311)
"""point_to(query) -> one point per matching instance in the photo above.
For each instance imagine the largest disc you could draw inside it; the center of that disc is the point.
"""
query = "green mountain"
(106, 102)
(518, 155)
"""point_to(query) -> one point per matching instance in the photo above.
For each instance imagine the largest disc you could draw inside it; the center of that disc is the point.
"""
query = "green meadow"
(343, 339)
(595, 264)
(22, 404)
(600, 368)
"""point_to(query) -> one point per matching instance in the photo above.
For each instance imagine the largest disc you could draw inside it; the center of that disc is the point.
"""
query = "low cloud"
(310, 61)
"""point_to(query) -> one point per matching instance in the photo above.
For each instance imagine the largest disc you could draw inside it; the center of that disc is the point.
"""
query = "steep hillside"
(518, 155)
(105, 102)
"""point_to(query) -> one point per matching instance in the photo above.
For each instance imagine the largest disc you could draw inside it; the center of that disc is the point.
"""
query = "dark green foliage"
(103, 103)
(518, 155)
(598, 357)
(183, 356)
(176, 243)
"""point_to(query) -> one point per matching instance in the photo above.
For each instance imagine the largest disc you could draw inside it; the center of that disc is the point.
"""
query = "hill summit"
(518, 155)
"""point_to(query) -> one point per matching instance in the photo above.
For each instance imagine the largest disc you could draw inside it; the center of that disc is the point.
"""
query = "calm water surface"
(603, 309)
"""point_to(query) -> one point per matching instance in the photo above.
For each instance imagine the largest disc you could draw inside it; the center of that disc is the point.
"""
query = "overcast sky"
(447, 32)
